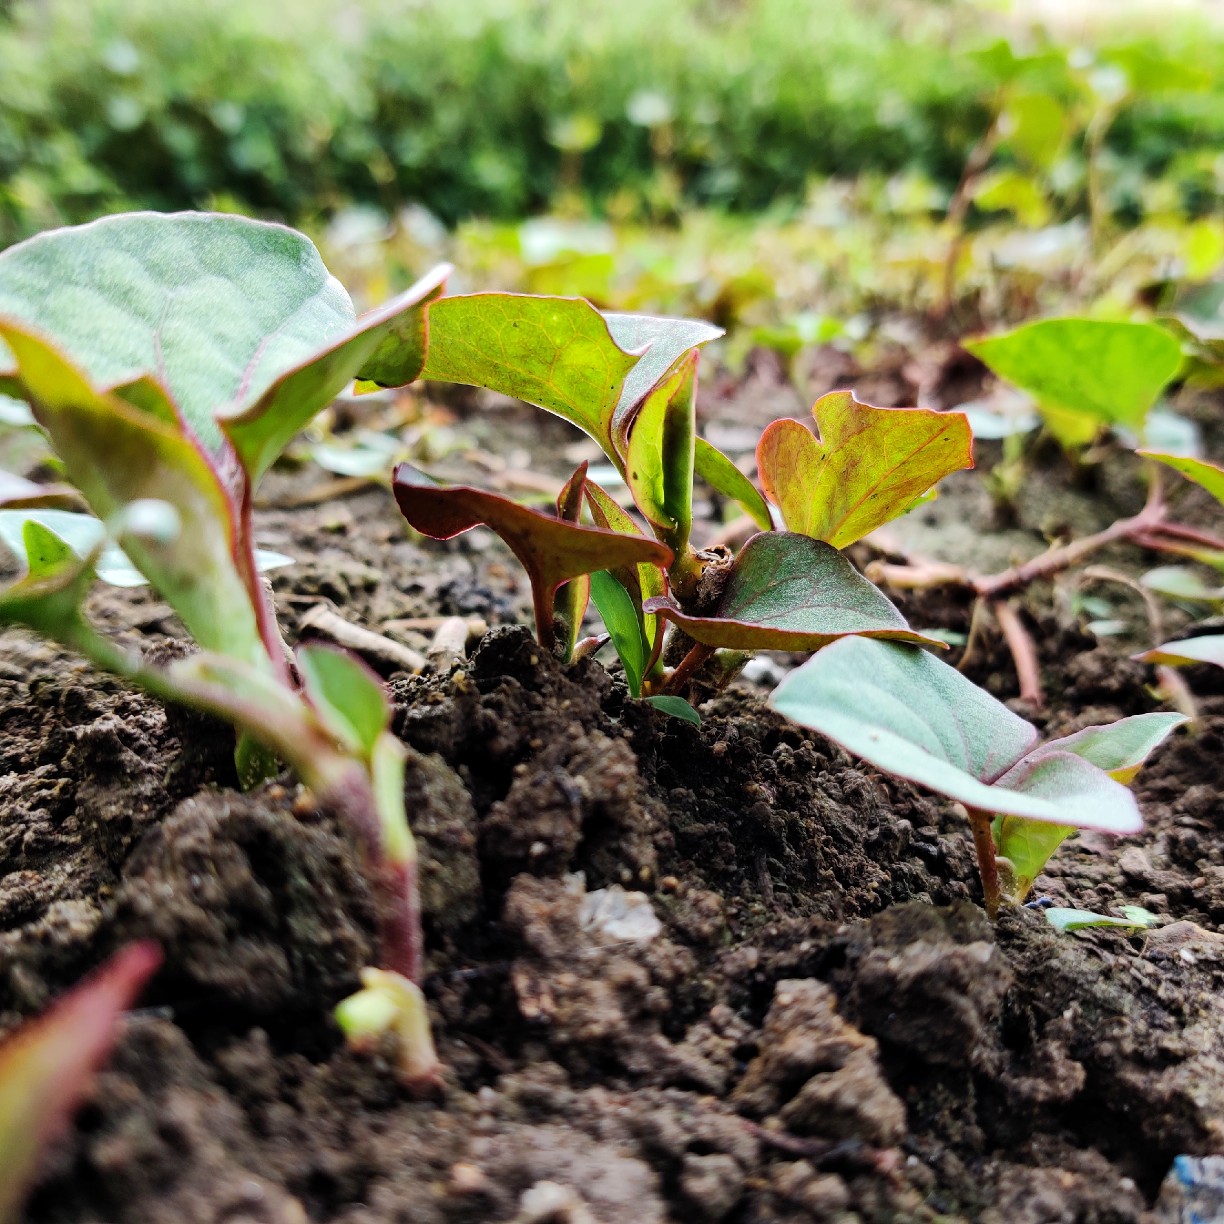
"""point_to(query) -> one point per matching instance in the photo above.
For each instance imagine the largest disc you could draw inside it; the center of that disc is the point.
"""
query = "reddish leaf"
(551, 550)
(46, 1067)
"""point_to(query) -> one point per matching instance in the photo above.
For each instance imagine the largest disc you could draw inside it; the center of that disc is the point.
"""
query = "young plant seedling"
(1085, 374)
(169, 359)
(45, 1068)
(909, 714)
(629, 382)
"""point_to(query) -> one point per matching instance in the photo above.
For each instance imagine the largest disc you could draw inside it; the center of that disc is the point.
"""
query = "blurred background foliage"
(630, 111)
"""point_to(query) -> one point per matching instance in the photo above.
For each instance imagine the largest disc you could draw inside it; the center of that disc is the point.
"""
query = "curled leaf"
(790, 592)
(867, 465)
(1207, 648)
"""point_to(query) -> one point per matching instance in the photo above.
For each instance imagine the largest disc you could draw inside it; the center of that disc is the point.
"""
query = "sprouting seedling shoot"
(912, 715)
(169, 359)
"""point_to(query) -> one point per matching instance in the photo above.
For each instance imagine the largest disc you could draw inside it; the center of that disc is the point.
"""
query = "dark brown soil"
(825, 1027)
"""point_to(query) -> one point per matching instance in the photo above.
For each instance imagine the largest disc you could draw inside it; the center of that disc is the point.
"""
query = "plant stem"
(1023, 652)
(687, 666)
(988, 868)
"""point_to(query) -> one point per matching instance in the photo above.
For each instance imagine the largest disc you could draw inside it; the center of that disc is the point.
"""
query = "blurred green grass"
(505, 108)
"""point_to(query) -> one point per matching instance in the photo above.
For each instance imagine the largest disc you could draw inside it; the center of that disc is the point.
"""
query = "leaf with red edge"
(867, 465)
(46, 1067)
(550, 550)
(790, 592)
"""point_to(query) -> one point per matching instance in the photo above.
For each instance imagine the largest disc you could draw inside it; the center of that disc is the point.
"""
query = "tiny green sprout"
(1134, 918)
(388, 1003)
(1085, 374)
(45, 1068)
(909, 714)
(169, 359)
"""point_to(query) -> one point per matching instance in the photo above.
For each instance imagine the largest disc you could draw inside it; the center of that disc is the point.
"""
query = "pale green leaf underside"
(1120, 746)
(1208, 648)
(912, 715)
(1109, 371)
(216, 307)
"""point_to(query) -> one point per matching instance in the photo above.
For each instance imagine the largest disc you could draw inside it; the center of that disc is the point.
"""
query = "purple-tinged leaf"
(46, 1067)
(867, 465)
(571, 600)
(551, 550)
(790, 592)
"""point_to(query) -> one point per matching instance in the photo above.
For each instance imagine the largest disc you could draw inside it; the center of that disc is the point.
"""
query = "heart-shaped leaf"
(1207, 648)
(867, 466)
(912, 715)
(790, 592)
(1101, 372)
(46, 1067)
(551, 550)
(1209, 475)
(117, 454)
(235, 318)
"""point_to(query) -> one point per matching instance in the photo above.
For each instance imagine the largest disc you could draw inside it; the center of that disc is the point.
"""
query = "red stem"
(988, 868)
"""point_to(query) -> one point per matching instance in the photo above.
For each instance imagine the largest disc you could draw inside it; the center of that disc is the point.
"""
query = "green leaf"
(49, 596)
(347, 695)
(560, 354)
(1208, 648)
(867, 466)
(572, 598)
(910, 714)
(677, 707)
(623, 622)
(1063, 919)
(790, 592)
(1209, 475)
(116, 454)
(45, 1068)
(385, 347)
(551, 550)
(235, 318)
(84, 533)
(659, 453)
(1119, 748)
(1027, 845)
(556, 353)
(1106, 373)
(661, 343)
(722, 475)
(1180, 582)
